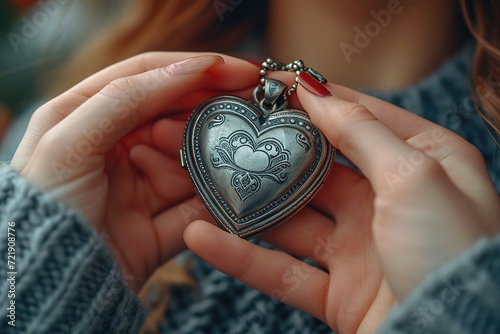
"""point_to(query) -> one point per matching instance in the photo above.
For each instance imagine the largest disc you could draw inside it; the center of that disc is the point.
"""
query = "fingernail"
(193, 65)
(259, 65)
(312, 85)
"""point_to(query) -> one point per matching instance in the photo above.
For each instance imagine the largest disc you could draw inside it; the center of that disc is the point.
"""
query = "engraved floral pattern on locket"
(251, 161)
(255, 164)
(253, 172)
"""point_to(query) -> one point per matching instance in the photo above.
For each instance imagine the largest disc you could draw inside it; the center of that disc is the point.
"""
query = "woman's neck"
(380, 45)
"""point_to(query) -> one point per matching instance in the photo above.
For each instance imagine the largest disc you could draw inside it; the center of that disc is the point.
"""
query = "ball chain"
(296, 66)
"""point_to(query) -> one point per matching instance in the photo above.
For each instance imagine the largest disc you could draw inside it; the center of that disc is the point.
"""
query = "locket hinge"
(183, 159)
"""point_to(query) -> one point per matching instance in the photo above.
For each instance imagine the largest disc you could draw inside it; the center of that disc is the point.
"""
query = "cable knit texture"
(66, 281)
(462, 297)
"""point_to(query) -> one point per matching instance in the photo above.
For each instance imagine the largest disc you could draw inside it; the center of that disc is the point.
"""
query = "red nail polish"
(313, 86)
(259, 65)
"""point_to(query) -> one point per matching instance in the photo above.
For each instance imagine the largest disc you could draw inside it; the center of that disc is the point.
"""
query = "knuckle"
(445, 146)
(46, 115)
(138, 86)
(428, 170)
(43, 120)
(144, 59)
(150, 60)
(121, 86)
(52, 140)
(354, 111)
(476, 154)
(353, 117)
(471, 151)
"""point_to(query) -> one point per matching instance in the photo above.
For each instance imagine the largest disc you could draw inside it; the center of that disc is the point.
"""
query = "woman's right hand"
(424, 197)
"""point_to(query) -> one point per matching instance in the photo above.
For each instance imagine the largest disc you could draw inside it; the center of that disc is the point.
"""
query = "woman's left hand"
(424, 197)
(103, 148)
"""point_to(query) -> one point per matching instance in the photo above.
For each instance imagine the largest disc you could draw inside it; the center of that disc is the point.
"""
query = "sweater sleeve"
(61, 277)
(463, 296)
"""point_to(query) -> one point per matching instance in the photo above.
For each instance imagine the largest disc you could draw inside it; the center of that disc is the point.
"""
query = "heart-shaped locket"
(251, 171)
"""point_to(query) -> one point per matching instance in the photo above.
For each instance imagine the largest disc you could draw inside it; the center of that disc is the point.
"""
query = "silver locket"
(255, 164)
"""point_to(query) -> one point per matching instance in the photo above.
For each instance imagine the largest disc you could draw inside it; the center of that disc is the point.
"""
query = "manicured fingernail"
(193, 65)
(312, 85)
(259, 65)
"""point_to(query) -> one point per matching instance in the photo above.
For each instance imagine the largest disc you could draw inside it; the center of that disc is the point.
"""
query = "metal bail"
(273, 91)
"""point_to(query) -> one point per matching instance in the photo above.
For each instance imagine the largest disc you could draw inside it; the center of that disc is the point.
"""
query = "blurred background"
(37, 38)
(48, 46)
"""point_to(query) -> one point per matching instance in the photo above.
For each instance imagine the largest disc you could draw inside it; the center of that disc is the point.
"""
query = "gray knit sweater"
(64, 280)
(61, 277)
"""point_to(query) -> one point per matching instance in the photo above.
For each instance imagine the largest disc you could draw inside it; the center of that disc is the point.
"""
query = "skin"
(128, 200)
(383, 241)
(415, 42)
(375, 239)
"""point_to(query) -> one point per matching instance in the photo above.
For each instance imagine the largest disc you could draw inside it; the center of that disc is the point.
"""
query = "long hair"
(482, 18)
(173, 25)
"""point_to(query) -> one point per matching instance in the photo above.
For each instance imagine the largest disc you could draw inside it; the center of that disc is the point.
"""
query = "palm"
(358, 298)
(335, 230)
(150, 199)
(135, 201)
(375, 249)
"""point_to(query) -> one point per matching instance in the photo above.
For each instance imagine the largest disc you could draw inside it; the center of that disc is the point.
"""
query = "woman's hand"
(100, 148)
(424, 197)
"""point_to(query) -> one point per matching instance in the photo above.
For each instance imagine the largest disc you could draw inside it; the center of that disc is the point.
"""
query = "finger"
(124, 104)
(361, 137)
(333, 197)
(111, 111)
(312, 232)
(417, 131)
(167, 180)
(272, 272)
(57, 109)
(463, 163)
(167, 135)
(170, 225)
(401, 121)
(185, 106)
(225, 76)
(331, 227)
(307, 234)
